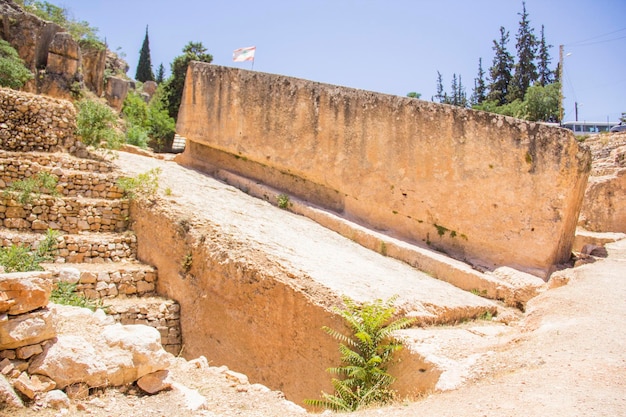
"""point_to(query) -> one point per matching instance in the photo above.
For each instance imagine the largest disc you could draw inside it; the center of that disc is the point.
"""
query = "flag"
(244, 54)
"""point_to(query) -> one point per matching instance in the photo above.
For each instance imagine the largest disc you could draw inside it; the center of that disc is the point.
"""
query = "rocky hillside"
(62, 65)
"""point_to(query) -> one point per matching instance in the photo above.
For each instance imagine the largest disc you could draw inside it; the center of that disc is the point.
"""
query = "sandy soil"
(566, 358)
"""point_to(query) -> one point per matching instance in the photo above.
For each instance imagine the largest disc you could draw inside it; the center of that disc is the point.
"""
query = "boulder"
(63, 55)
(26, 329)
(29, 291)
(143, 342)
(69, 360)
(118, 355)
(116, 91)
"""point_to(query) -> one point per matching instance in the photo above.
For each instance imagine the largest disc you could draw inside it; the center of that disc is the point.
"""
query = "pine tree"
(144, 67)
(160, 75)
(525, 69)
(500, 71)
(480, 89)
(544, 74)
(439, 97)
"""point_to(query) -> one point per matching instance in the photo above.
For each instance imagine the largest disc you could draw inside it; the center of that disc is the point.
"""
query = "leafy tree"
(480, 88)
(623, 118)
(525, 69)
(160, 75)
(544, 74)
(144, 67)
(173, 89)
(541, 103)
(366, 355)
(500, 71)
(13, 73)
(413, 94)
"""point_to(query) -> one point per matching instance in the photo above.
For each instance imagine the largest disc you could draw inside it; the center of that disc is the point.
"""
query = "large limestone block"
(118, 355)
(116, 91)
(143, 342)
(29, 292)
(26, 329)
(604, 207)
(69, 360)
(63, 55)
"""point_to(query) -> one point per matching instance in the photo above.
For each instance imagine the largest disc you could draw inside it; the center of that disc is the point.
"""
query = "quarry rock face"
(487, 189)
(56, 59)
(604, 207)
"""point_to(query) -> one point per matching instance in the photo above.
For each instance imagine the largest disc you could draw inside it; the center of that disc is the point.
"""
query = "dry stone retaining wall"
(69, 215)
(103, 248)
(29, 122)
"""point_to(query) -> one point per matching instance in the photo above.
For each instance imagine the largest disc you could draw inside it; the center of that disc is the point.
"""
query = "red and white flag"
(244, 54)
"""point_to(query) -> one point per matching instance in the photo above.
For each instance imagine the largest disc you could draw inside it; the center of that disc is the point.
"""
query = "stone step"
(157, 312)
(70, 182)
(80, 248)
(68, 214)
(99, 281)
(23, 160)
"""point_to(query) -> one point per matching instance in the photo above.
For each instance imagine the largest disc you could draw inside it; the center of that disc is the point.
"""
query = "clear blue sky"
(390, 46)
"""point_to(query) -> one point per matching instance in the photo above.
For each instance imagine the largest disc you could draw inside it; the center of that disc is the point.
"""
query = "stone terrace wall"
(30, 122)
(488, 189)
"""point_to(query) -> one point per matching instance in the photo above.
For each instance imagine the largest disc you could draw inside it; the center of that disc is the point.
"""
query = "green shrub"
(18, 258)
(365, 354)
(137, 135)
(65, 293)
(145, 184)
(97, 124)
(13, 73)
(31, 188)
(135, 110)
(283, 201)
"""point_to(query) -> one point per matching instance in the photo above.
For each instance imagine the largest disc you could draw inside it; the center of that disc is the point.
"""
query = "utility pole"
(561, 83)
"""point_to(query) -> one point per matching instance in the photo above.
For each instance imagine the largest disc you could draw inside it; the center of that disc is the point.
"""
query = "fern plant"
(365, 355)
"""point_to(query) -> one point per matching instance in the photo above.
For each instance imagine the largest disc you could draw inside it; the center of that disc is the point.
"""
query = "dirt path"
(569, 358)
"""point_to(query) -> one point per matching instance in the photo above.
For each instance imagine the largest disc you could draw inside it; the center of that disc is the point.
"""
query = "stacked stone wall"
(109, 283)
(163, 315)
(102, 248)
(66, 214)
(29, 122)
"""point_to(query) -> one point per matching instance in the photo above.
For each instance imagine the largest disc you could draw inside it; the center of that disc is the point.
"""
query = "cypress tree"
(545, 75)
(500, 71)
(525, 69)
(160, 75)
(144, 67)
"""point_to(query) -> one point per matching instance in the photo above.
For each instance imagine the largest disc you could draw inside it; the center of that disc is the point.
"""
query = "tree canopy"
(173, 87)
